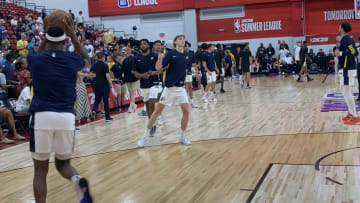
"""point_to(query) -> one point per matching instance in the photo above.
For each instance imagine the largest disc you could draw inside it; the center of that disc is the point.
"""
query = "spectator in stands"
(80, 20)
(261, 56)
(108, 36)
(23, 45)
(3, 30)
(4, 87)
(36, 47)
(39, 25)
(43, 14)
(89, 48)
(102, 84)
(131, 81)
(14, 21)
(82, 109)
(19, 30)
(72, 15)
(5, 113)
(288, 63)
(110, 62)
(23, 102)
(331, 53)
(117, 75)
(320, 53)
(5, 46)
(286, 46)
(31, 45)
(22, 74)
(283, 52)
(270, 51)
(8, 70)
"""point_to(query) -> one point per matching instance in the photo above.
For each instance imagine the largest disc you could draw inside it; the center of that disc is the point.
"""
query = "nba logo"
(237, 26)
(124, 3)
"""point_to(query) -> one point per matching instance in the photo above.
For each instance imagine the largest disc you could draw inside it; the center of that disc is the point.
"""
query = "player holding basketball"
(174, 63)
(52, 125)
(347, 54)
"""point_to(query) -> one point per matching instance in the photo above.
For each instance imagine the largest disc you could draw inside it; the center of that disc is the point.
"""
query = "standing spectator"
(102, 84)
(23, 45)
(320, 53)
(261, 55)
(72, 15)
(80, 20)
(131, 81)
(110, 62)
(14, 21)
(282, 52)
(286, 46)
(89, 48)
(31, 45)
(39, 25)
(82, 102)
(108, 36)
(3, 30)
(117, 74)
(245, 61)
(270, 51)
(19, 30)
(43, 14)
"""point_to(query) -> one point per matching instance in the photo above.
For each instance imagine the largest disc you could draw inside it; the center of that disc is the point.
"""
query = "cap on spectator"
(55, 34)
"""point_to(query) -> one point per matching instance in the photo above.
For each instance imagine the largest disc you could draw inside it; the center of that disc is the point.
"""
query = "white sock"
(182, 133)
(147, 132)
(75, 179)
(211, 94)
(349, 99)
(144, 107)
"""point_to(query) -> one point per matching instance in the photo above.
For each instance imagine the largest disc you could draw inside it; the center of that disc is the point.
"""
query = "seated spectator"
(287, 63)
(36, 47)
(39, 25)
(4, 87)
(14, 21)
(283, 52)
(331, 53)
(320, 53)
(8, 70)
(5, 113)
(23, 45)
(23, 102)
(22, 74)
(31, 45)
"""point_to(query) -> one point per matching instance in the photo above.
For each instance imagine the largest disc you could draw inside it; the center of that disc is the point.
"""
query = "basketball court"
(269, 144)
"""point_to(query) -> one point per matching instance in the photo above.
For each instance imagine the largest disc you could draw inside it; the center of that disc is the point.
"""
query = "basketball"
(57, 18)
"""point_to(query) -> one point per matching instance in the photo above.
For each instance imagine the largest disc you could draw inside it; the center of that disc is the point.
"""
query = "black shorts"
(245, 68)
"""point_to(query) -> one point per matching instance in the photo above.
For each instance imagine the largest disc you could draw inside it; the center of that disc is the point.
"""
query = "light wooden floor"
(277, 123)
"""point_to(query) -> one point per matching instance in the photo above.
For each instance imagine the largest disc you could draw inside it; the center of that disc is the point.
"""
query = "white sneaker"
(194, 106)
(184, 140)
(141, 142)
(205, 99)
(160, 120)
(130, 108)
(213, 99)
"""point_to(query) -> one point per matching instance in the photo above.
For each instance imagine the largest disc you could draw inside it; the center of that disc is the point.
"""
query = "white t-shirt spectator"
(297, 53)
(14, 22)
(2, 82)
(80, 19)
(288, 60)
(90, 50)
(283, 53)
(24, 100)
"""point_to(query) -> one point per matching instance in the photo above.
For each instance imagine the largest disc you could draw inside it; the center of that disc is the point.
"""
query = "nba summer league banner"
(136, 3)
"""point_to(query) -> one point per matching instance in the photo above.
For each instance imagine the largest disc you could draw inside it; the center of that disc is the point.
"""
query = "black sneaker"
(108, 119)
(84, 186)
(153, 131)
(222, 91)
(92, 116)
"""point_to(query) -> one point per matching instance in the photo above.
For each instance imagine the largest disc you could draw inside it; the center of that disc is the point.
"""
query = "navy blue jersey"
(228, 60)
(349, 53)
(143, 64)
(54, 75)
(192, 61)
(209, 59)
(175, 65)
(117, 71)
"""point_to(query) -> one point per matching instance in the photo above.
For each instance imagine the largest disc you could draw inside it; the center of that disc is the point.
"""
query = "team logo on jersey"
(187, 57)
(237, 26)
(152, 58)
